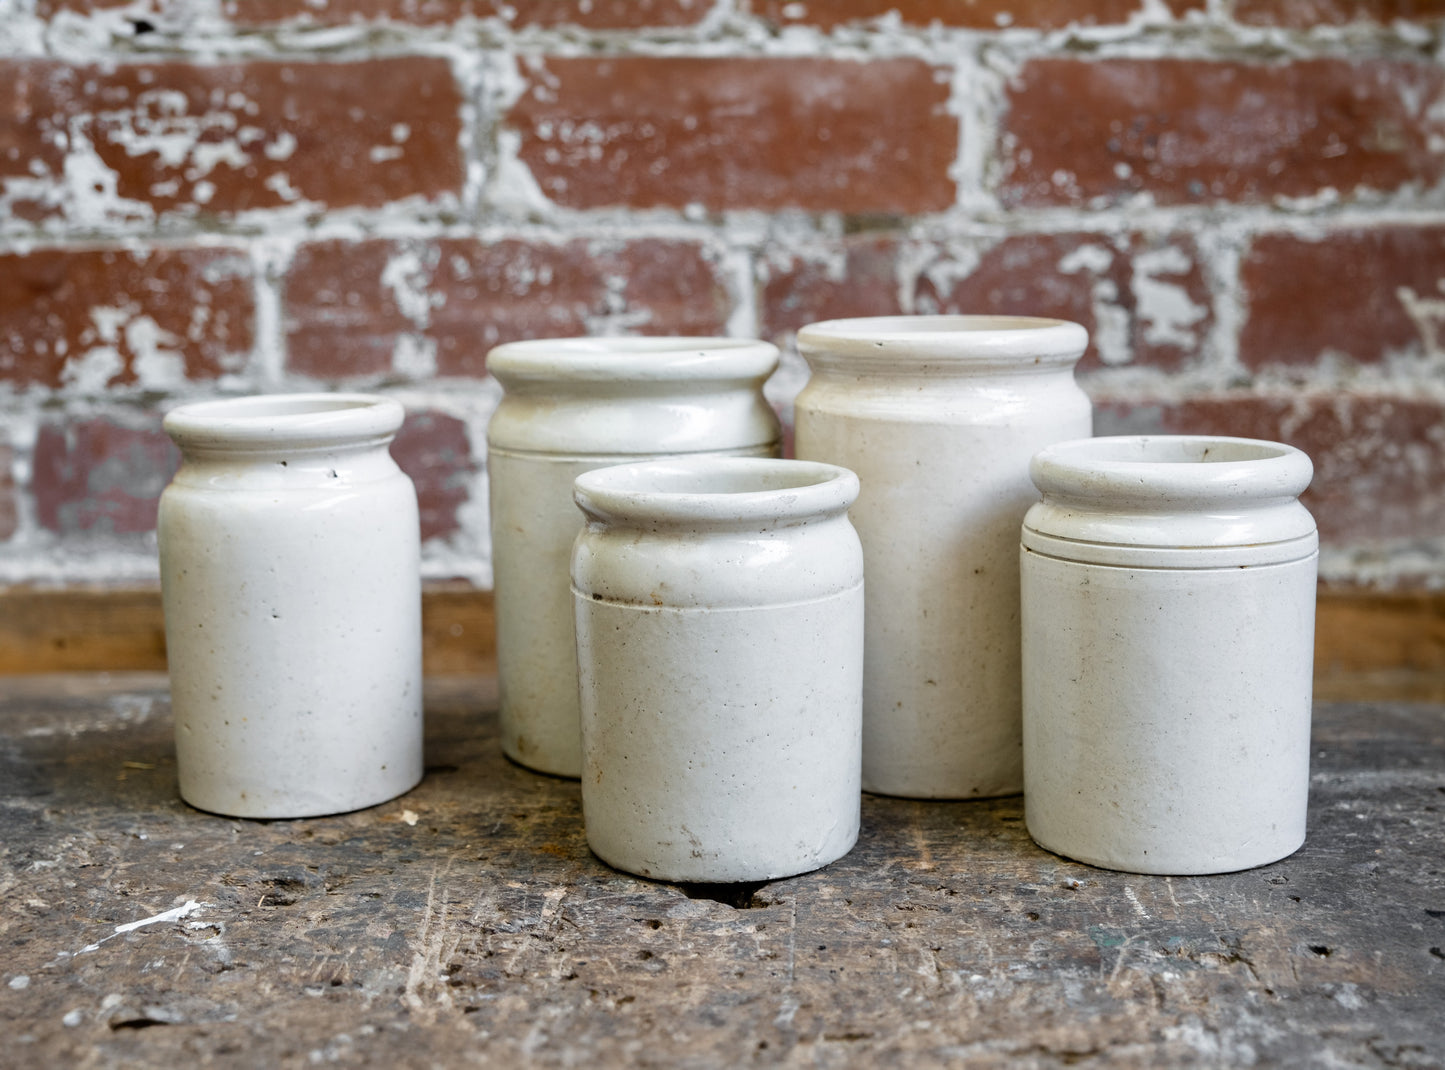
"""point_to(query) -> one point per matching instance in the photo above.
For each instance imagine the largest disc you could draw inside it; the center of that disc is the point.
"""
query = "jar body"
(1168, 653)
(941, 444)
(571, 406)
(291, 588)
(721, 689)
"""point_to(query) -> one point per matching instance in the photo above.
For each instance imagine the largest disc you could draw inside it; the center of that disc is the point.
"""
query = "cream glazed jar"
(939, 415)
(569, 406)
(1168, 635)
(719, 608)
(290, 577)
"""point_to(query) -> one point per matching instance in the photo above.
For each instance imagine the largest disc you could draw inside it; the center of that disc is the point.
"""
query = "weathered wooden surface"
(467, 924)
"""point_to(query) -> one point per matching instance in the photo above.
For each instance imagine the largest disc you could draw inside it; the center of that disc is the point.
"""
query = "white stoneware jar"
(289, 553)
(1168, 632)
(720, 640)
(572, 405)
(939, 416)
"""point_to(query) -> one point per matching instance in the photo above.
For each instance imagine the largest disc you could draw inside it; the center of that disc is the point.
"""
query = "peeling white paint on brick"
(407, 277)
(90, 372)
(1111, 320)
(1163, 308)
(90, 197)
(269, 261)
(157, 363)
(414, 356)
(1427, 312)
(943, 264)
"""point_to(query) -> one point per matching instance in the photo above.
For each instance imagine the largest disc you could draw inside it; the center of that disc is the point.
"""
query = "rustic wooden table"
(468, 924)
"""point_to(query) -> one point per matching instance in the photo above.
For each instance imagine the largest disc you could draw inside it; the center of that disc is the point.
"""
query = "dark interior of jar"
(742, 480)
(270, 408)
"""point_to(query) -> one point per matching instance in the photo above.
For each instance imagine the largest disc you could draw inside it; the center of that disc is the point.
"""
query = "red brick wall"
(1243, 200)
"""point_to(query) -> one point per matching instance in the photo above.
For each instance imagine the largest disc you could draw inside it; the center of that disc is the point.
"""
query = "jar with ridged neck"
(939, 415)
(1168, 646)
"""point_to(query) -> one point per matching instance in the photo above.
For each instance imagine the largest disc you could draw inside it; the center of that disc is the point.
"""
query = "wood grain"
(121, 629)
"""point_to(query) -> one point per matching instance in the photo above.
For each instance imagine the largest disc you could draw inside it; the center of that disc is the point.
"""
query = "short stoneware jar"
(569, 406)
(1168, 639)
(939, 416)
(720, 641)
(289, 554)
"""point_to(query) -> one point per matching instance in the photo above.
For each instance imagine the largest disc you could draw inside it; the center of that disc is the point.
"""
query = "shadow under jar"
(570, 405)
(719, 608)
(1168, 639)
(290, 576)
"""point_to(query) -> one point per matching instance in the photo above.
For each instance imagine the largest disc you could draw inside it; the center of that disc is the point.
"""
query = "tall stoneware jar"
(719, 612)
(939, 416)
(569, 406)
(1168, 630)
(289, 553)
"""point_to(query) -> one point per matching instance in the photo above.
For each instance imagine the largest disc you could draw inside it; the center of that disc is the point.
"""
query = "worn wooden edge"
(121, 629)
(1380, 645)
(1370, 644)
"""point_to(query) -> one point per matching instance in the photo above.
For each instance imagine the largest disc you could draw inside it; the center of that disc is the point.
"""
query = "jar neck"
(285, 439)
(651, 418)
(1251, 534)
(715, 494)
(923, 368)
(972, 398)
(1171, 501)
(278, 468)
(941, 346)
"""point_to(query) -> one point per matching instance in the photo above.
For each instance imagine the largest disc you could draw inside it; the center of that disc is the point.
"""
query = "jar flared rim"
(716, 491)
(1143, 469)
(650, 358)
(284, 421)
(962, 340)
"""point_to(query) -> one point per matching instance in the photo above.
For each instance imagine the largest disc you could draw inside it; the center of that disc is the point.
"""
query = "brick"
(1143, 299)
(817, 134)
(381, 307)
(1379, 461)
(1089, 131)
(597, 15)
(96, 476)
(88, 319)
(435, 451)
(9, 511)
(858, 279)
(1302, 14)
(972, 14)
(105, 144)
(1370, 292)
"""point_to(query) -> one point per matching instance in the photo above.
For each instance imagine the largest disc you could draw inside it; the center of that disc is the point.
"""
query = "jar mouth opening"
(295, 421)
(1157, 468)
(934, 343)
(271, 406)
(631, 359)
(1175, 450)
(891, 326)
(717, 489)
